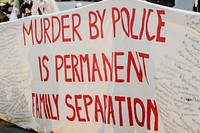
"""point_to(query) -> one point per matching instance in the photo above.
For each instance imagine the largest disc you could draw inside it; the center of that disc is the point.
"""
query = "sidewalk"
(6, 127)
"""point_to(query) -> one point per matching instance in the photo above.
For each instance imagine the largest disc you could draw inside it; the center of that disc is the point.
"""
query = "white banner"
(113, 66)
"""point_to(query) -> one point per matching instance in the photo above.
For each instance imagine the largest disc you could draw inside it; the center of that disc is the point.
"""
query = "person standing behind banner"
(196, 6)
(3, 17)
(7, 8)
(26, 8)
(44, 7)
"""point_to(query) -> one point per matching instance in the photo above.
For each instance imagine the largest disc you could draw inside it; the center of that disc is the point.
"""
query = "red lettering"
(39, 41)
(115, 20)
(93, 26)
(55, 99)
(46, 28)
(78, 108)
(137, 70)
(72, 118)
(58, 67)
(132, 24)
(75, 72)
(105, 99)
(117, 67)
(63, 27)
(33, 105)
(105, 112)
(86, 104)
(85, 60)
(95, 68)
(42, 101)
(54, 35)
(74, 27)
(38, 111)
(120, 100)
(110, 110)
(47, 104)
(128, 23)
(143, 23)
(28, 32)
(40, 68)
(160, 25)
(130, 111)
(98, 109)
(150, 38)
(45, 58)
(152, 108)
(143, 55)
(141, 105)
(101, 18)
(66, 66)
(126, 12)
(106, 62)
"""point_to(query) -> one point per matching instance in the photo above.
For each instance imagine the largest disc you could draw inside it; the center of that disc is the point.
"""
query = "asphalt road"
(6, 127)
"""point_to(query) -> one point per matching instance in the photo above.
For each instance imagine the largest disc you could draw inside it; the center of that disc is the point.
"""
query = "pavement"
(6, 127)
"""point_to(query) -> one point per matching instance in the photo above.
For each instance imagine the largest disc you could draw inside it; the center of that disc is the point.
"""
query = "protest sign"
(123, 66)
